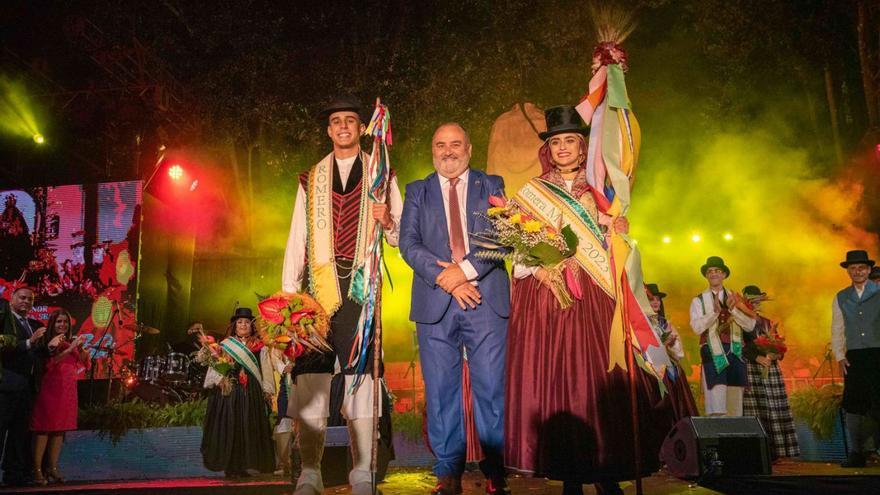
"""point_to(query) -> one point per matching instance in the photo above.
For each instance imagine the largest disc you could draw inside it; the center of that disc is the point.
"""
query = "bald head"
(451, 149)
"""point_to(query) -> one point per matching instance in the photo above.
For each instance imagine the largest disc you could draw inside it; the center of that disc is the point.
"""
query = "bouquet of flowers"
(293, 323)
(520, 238)
(770, 344)
(211, 354)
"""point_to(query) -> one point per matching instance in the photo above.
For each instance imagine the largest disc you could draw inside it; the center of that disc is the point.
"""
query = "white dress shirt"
(838, 334)
(295, 253)
(700, 322)
(465, 265)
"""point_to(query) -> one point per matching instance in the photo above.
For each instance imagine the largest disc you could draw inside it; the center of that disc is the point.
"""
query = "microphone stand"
(98, 346)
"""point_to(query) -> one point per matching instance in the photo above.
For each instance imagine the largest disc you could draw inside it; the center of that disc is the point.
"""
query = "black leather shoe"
(497, 486)
(854, 460)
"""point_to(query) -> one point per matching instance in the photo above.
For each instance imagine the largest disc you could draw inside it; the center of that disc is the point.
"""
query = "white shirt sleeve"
(700, 322)
(268, 378)
(522, 271)
(838, 336)
(395, 207)
(677, 349)
(295, 253)
(743, 320)
(212, 378)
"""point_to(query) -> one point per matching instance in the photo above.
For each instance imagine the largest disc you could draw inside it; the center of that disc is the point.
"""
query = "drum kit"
(170, 378)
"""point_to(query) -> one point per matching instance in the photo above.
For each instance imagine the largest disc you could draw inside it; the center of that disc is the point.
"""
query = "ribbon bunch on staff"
(366, 284)
(615, 139)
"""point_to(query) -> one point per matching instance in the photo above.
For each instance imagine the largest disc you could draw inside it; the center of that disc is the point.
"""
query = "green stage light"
(696, 237)
(666, 239)
(728, 236)
(17, 112)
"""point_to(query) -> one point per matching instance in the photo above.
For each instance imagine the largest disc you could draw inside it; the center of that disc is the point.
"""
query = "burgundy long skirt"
(567, 417)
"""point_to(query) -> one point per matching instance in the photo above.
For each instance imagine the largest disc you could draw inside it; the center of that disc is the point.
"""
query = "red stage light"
(175, 172)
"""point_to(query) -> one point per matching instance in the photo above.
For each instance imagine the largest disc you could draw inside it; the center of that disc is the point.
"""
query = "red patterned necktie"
(456, 236)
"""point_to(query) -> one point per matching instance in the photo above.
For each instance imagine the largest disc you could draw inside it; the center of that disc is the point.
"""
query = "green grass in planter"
(116, 418)
(408, 425)
(818, 407)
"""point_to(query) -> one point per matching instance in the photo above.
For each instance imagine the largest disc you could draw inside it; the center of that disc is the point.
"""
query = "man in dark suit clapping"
(18, 384)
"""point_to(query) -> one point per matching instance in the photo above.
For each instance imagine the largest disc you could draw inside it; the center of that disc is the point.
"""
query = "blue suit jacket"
(424, 239)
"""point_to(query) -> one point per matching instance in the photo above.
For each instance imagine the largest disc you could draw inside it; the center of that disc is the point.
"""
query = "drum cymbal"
(149, 330)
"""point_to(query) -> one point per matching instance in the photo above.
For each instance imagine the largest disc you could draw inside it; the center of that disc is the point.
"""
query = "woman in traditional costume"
(765, 396)
(237, 435)
(567, 416)
(680, 396)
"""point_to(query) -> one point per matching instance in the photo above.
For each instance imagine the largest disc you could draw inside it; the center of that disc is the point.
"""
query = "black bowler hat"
(563, 118)
(344, 103)
(242, 313)
(654, 291)
(752, 291)
(857, 257)
(714, 262)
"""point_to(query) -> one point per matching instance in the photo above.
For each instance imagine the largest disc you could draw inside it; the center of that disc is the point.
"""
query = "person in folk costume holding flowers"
(855, 340)
(680, 396)
(237, 434)
(765, 398)
(719, 321)
(567, 414)
(331, 218)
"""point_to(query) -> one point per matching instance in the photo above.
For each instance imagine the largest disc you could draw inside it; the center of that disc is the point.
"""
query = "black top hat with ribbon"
(242, 313)
(714, 262)
(344, 103)
(752, 291)
(857, 257)
(561, 119)
(653, 290)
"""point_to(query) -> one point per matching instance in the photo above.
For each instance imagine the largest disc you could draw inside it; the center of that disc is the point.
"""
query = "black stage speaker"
(337, 456)
(336, 463)
(704, 447)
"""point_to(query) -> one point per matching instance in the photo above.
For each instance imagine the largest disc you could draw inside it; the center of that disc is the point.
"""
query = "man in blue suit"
(458, 300)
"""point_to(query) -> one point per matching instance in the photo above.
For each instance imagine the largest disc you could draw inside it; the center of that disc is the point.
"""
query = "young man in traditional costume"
(718, 321)
(331, 218)
(855, 340)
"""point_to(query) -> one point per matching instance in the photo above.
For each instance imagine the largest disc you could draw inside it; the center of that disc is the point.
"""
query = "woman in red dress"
(567, 417)
(56, 406)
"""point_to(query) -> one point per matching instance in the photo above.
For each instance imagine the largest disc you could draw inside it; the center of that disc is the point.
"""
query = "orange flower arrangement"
(294, 323)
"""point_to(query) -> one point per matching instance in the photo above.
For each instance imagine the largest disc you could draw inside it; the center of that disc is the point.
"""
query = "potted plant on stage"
(817, 417)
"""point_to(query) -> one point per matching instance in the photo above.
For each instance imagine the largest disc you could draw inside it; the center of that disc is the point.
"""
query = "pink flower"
(497, 201)
(270, 309)
(298, 315)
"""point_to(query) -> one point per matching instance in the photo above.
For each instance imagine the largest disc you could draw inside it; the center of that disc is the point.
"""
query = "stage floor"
(409, 481)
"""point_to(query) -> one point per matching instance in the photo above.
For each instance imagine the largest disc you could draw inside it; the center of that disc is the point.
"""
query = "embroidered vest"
(861, 317)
